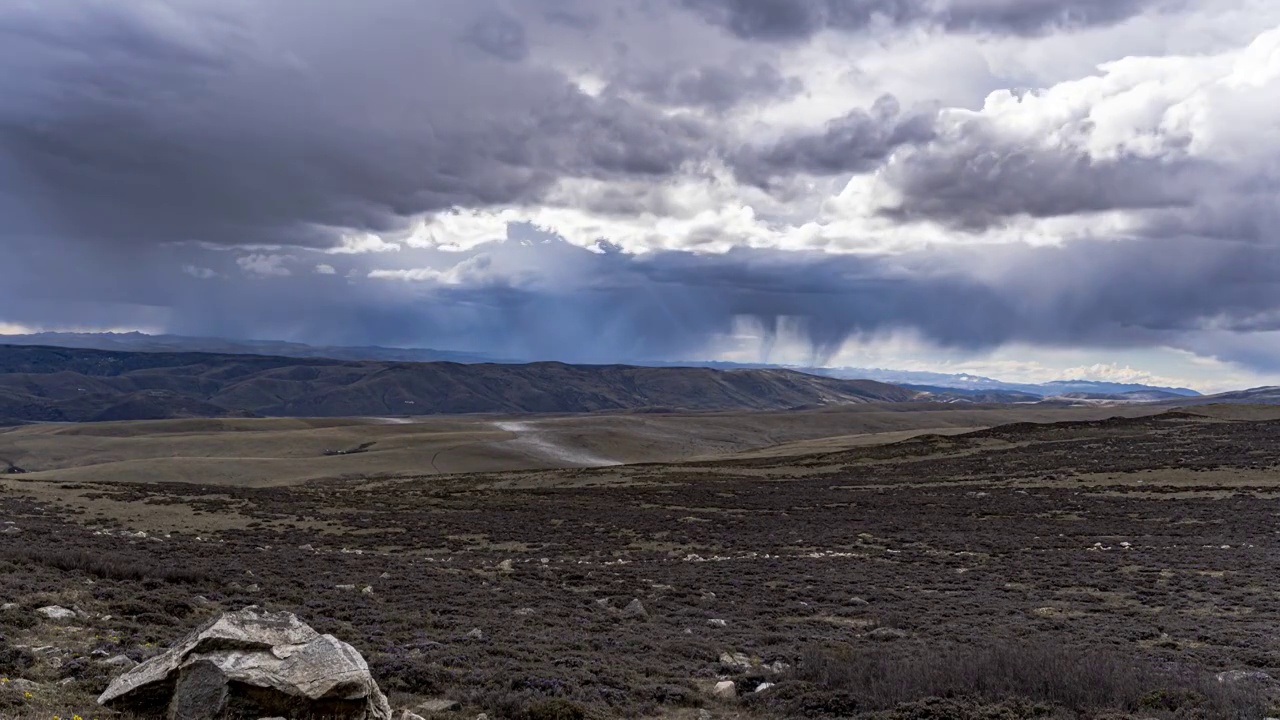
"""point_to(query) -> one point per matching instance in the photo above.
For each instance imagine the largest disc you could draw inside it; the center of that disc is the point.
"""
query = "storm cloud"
(610, 180)
(798, 19)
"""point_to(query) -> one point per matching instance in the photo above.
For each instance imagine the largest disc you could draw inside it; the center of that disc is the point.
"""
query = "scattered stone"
(635, 609)
(717, 623)
(124, 662)
(506, 566)
(270, 662)
(22, 685)
(738, 661)
(344, 587)
(777, 667)
(9, 606)
(307, 547)
(475, 634)
(482, 716)
(10, 530)
(440, 705)
(524, 612)
(367, 590)
(763, 686)
(384, 576)
(725, 689)
(886, 634)
(410, 715)
(704, 714)
(253, 588)
(858, 601)
(1232, 677)
(57, 612)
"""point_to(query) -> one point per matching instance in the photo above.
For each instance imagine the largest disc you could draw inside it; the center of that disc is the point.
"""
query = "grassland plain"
(1117, 568)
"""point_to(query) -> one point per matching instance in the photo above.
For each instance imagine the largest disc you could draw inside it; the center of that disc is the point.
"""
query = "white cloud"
(196, 271)
(325, 270)
(359, 244)
(265, 265)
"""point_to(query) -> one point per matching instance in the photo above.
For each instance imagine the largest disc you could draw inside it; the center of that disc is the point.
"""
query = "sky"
(1027, 189)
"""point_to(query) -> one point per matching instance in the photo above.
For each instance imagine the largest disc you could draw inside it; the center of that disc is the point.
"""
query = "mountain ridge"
(69, 384)
(958, 383)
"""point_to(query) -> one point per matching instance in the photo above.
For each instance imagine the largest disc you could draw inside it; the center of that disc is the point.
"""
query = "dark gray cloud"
(856, 142)
(782, 20)
(717, 87)
(977, 185)
(500, 35)
(263, 124)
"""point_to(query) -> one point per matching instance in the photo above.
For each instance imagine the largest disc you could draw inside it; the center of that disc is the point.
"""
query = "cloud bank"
(604, 181)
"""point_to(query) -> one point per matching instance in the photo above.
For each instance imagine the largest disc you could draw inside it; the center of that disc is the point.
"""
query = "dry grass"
(270, 452)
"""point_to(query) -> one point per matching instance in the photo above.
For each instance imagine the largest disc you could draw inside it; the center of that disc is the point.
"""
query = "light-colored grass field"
(265, 452)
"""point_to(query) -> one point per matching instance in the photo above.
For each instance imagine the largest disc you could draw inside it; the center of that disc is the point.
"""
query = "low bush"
(876, 679)
(106, 565)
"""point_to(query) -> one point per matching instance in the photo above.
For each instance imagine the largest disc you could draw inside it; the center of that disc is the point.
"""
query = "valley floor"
(1105, 568)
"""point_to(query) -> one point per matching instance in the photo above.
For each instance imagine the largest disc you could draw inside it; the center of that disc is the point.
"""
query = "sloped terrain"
(60, 384)
(1120, 569)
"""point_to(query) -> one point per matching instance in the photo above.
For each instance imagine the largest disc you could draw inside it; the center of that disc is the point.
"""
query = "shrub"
(106, 565)
(883, 679)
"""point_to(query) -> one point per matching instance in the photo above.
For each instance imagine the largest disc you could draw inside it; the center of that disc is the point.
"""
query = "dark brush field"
(1094, 569)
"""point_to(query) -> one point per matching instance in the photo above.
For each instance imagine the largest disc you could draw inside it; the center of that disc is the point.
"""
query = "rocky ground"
(1114, 569)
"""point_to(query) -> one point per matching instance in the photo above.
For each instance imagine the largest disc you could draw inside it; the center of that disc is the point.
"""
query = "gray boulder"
(247, 662)
(57, 612)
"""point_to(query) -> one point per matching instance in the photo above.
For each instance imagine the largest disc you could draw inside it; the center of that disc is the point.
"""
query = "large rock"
(252, 661)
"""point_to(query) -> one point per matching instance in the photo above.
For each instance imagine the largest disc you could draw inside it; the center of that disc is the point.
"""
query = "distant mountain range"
(55, 384)
(977, 388)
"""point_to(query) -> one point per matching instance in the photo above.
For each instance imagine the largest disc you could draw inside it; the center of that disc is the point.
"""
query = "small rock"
(57, 612)
(9, 606)
(306, 547)
(439, 705)
(24, 685)
(858, 601)
(253, 588)
(367, 590)
(763, 686)
(635, 609)
(524, 612)
(475, 634)
(1231, 677)
(120, 661)
(717, 623)
(506, 566)
(344, 587)
(704, 714)
(384, 576)
(409, 715)
(482, 716)
(725, 689)
(739, 661)
(777, 666)
(886, 634)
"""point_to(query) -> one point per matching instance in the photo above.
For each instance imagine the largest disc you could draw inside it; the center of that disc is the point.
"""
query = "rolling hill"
(62, 384)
